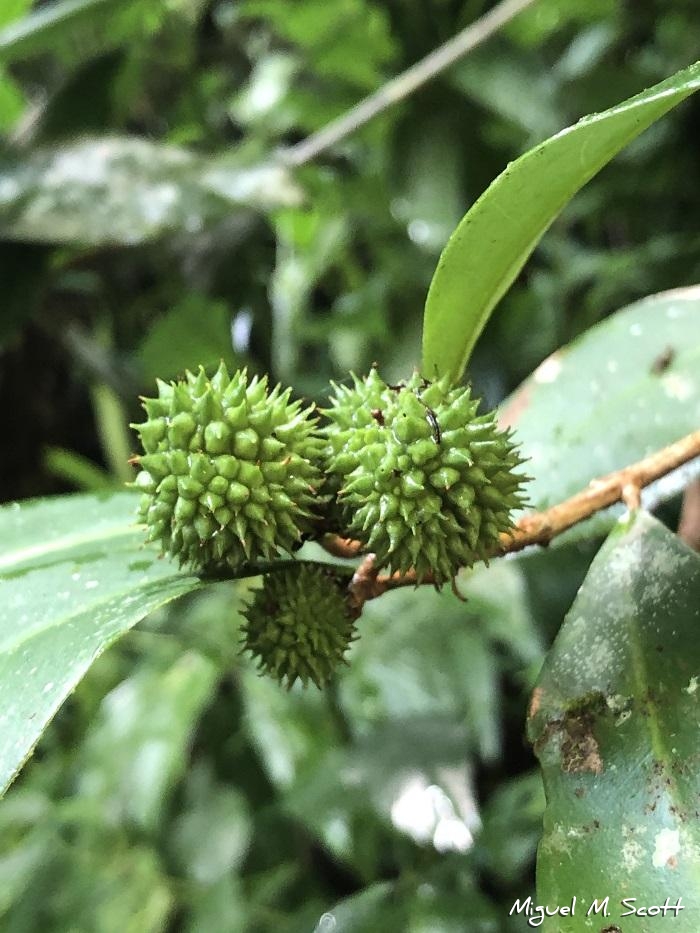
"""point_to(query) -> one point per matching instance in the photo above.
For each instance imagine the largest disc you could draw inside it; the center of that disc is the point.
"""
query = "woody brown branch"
(689, 525)
(539, 528)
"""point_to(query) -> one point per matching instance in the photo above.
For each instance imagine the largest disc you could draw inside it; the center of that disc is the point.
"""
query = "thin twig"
(541, 527)
(403, 85)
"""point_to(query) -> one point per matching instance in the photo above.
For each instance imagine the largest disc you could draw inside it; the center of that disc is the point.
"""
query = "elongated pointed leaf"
(498, 234)
(624, 389)
(74, 575)
(615, 720)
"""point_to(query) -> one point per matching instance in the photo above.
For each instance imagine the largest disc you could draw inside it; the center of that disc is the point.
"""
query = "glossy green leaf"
(498, 234)
(614, 720)
(124, 190)
(624, 389)
(74, 576)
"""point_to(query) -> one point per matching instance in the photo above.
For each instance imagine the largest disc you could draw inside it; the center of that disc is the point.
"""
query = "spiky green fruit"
(230, 472)
(299, 625)
(426, 482)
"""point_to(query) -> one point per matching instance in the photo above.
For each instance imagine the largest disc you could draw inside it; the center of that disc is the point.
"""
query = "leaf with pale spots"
(626, 388)
(614, 720)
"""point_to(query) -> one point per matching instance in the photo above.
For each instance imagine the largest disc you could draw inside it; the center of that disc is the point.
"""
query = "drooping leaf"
(498, 234)
(624, 389)
(124, 190)
(614, 720)
(74, 576)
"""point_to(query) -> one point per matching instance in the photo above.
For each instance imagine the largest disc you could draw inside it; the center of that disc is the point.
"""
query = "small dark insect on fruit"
(378, 416)
(431, 418)
(663, 361)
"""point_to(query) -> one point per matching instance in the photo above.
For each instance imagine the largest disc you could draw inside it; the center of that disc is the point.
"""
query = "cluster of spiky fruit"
(299, 625)
(425, 481)
(233, 474)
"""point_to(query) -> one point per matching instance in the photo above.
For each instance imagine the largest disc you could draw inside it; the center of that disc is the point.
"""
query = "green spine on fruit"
(426, 482)
(299, 626)
(230, 471)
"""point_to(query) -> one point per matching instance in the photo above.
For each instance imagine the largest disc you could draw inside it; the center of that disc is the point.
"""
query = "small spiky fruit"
(426, 482)
(299, 626)
(230, 472)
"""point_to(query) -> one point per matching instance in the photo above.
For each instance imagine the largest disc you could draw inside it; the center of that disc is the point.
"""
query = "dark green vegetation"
(147, 229)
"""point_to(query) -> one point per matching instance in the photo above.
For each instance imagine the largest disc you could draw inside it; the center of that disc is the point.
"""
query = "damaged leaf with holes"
(614, 721)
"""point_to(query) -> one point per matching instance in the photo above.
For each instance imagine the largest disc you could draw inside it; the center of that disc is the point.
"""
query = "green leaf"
(511, 85)
(136, 749)
(363, 27)
(55, 22)
(614, 721)
(196, 330)
(11, 102)
(35, 32)
(128, 888)
(511, 827)
(74, 576)
(12, 10)
(212, 833)
(430, 196)
(498, 234)
(77, 470)
(446, 901)
(124, 190)
(424, 667)
(625, 388)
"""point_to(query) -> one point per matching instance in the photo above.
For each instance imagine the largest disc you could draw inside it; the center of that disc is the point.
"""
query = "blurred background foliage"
(146, 226)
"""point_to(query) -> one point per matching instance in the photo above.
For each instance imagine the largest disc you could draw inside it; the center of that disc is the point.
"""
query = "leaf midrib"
(142, 589)
(14, 560)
